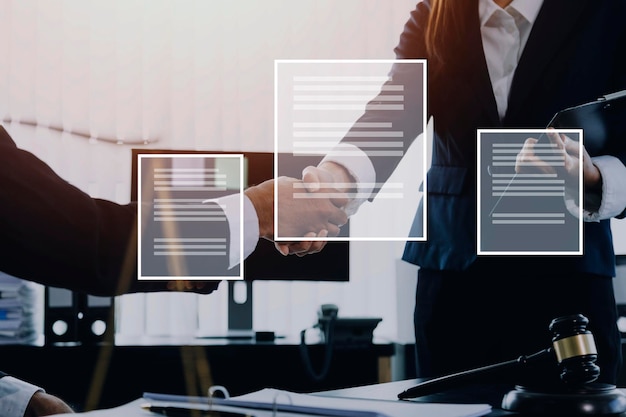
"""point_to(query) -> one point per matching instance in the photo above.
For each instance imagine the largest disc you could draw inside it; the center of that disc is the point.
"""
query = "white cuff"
(360, 167)
(612, 201)
(15, 395)
(250, 228)
(613, 186)
(230, 206)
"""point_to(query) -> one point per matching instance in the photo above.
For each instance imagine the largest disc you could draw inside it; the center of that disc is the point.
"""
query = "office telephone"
(336, 331)
(326, 319)
(344, 330)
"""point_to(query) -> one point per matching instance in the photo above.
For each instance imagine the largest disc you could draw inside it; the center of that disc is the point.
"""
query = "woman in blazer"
(506, 64)
(503, 305)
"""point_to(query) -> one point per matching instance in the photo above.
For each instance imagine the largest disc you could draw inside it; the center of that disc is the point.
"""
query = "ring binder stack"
(61, 316)
(76, 318)
(21, 307)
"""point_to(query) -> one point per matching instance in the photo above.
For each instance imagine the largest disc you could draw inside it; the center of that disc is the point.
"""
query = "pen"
(432, 386)
(191, 412)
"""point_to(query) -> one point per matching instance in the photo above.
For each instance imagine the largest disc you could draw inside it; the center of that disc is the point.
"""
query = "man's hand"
(300, 214)
(42, 404)
(328, 181)
(328, 175)
(200, 287)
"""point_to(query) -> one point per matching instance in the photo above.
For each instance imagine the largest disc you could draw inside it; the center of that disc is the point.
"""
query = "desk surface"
(482, 394)
(241, 365)
(238, 338)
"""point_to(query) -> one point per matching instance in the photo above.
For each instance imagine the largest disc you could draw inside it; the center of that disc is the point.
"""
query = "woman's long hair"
(446, 29)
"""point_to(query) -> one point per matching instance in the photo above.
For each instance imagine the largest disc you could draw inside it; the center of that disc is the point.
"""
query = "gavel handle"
(442, 383)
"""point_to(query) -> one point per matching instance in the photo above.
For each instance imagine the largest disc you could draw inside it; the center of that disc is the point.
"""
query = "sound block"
(592, 399)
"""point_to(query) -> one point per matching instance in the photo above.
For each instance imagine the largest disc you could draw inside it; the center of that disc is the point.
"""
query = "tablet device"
(599, 119)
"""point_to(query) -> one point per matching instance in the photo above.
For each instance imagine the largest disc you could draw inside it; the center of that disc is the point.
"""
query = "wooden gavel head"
(575, 350)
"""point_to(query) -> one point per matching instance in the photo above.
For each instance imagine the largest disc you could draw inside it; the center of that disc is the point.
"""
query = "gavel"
(574, 351)
(573, 348)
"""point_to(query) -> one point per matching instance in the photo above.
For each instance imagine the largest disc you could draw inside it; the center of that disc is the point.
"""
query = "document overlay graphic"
(529, 200)
(184, 201)
(364, 115)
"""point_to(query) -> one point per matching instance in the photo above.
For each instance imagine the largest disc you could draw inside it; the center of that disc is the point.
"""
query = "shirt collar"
(529, 9)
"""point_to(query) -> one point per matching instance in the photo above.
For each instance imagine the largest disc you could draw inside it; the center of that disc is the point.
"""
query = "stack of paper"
(21, 306)
(271, 402)
(278, 403)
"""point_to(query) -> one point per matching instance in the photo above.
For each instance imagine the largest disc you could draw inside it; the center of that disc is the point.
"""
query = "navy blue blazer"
(574, 54)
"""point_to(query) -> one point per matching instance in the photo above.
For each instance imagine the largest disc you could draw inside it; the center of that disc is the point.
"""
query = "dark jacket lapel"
(463, 94)
(554, 24)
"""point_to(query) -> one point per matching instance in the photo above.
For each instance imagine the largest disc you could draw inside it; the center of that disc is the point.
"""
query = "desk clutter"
(21, 311)
(33, 314)
(271, 402)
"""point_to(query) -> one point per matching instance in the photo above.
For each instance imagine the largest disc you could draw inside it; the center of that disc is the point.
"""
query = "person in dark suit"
(506, 64)
(55, 234)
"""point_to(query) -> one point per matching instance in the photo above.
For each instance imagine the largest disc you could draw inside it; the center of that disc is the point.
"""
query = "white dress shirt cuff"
(613, 199)
(230, 206)
(360, 167)
(15, 395)
(250, 228)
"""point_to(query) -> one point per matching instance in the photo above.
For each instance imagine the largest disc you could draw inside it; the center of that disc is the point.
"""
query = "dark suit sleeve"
(196, 247)
(57, 235)
(407, 122)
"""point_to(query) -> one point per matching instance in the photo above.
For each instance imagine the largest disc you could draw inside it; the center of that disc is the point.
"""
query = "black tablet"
(599, 119)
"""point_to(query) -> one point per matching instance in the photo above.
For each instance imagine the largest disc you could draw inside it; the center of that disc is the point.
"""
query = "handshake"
(312, 207)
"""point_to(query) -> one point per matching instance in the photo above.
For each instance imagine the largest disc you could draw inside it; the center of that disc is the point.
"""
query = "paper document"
(533, 211)
(182, 236)
(286, 402)
(278, 403)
